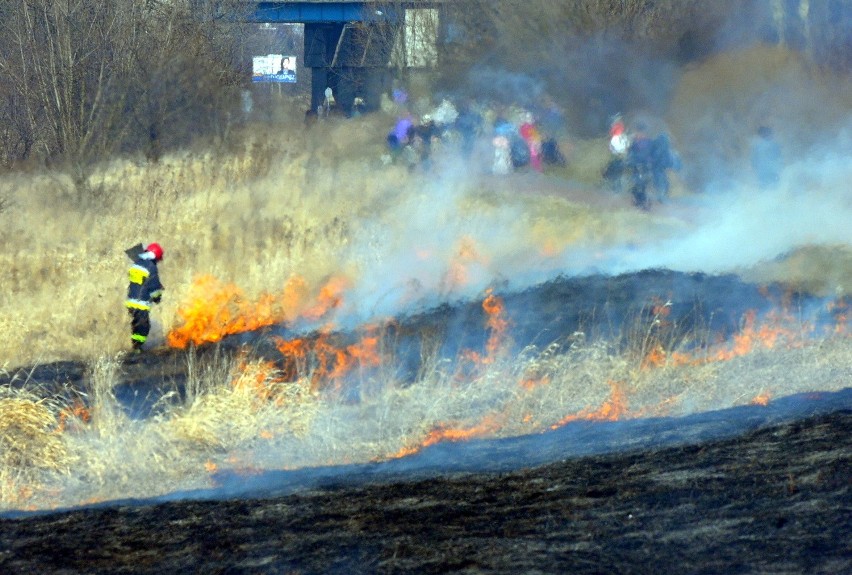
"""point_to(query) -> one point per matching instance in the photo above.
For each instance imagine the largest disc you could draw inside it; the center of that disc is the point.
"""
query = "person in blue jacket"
(144, 290)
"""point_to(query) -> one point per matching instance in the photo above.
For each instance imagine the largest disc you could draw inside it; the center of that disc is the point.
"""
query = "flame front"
(777, 326)
(614, 408)
(215, 309)
(326, 361)
(274, 401)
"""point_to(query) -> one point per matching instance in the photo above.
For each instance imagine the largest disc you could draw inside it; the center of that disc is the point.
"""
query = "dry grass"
(247, 401)
(253, 215)
(28, 434)
(31, 444)
(239, 414)
(280, 202)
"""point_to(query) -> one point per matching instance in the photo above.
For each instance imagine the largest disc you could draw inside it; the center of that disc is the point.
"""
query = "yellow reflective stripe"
(138, 274)
(137, 304)
(139, 338)
(157, 293)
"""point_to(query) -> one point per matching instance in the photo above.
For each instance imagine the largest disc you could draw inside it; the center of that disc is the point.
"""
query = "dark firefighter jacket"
(145, 287)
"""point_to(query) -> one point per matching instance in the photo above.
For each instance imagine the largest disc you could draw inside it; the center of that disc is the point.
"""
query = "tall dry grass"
(277, 201)
(30, 447)
(240, 417)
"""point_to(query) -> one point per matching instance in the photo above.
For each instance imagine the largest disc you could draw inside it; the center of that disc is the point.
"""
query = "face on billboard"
(274, 68)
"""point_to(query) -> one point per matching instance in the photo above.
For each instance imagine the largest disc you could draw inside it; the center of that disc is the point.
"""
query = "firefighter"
(144, 290)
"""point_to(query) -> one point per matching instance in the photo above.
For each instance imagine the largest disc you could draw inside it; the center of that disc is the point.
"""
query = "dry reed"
(284, 202)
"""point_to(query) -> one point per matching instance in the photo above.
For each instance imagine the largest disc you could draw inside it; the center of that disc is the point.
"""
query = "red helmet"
(155, 249)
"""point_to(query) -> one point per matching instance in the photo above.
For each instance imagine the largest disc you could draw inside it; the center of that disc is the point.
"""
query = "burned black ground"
(752, 489)
(772, 500)
(701, 306)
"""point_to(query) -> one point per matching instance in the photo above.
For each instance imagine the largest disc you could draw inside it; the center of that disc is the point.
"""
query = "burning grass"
(255, 213)
(248, 401)
(286, 226)
(246, 222)
(239, 414)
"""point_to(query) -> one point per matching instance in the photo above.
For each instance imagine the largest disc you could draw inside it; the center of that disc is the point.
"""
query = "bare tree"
(67, 64)
(185, 65)
(83, 79)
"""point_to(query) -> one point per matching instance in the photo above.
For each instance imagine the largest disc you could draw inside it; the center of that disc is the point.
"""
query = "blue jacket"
(145, 287)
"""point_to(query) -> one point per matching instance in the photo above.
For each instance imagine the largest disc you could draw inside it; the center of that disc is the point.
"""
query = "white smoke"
(746, 225)
(426, 249)
(406, 255)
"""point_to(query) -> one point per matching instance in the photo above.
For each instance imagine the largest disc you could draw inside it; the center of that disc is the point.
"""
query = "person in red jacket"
(530, 134)
(144, 290)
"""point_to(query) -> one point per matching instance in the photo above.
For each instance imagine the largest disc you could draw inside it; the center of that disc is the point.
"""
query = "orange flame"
(330, 361)
(777, 327)
(466, 255)
(530, 382)
(295, 352)
(215, 309)
(330, 296)
(488, 426)
(657, 357)
(76, 412)
(497, 325)
(612, 409)
(839, 308)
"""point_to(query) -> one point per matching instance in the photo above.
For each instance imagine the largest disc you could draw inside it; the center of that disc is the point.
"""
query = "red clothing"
(528, 132)
(531, 136)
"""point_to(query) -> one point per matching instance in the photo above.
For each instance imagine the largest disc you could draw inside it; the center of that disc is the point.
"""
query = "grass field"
(283, 224)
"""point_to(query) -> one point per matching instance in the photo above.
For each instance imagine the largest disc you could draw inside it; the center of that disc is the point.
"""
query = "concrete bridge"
(353, 46)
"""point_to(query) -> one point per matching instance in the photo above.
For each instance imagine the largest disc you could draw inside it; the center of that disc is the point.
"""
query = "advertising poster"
(274, 68)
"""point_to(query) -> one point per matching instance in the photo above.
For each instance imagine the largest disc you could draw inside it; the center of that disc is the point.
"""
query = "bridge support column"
(319, 82)
(351, 60)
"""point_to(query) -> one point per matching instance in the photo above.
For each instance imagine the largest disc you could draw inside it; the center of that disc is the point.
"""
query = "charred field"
(757, 487)
(772, 500)
(363, 368)
(697, 307)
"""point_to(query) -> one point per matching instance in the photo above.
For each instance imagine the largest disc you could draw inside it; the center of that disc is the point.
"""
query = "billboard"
(274, 68)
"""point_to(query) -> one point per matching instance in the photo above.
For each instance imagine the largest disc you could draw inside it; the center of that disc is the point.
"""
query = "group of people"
(638, 158)
(515, 137)
(410, 141)
(523, 142)
(644, 161)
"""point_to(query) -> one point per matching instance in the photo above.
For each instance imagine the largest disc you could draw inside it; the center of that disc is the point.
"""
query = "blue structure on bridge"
(347, 44)
(318, 12)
